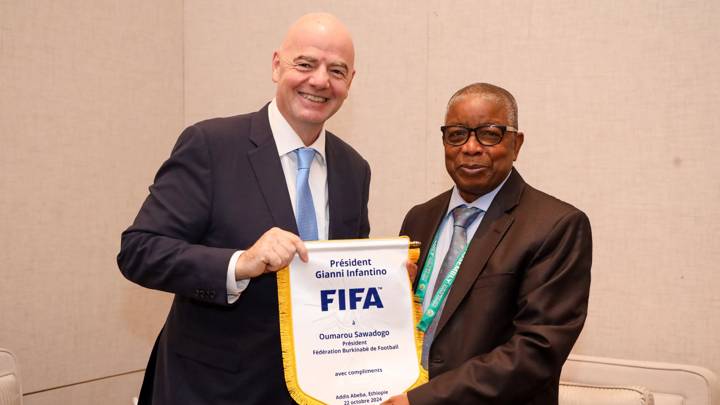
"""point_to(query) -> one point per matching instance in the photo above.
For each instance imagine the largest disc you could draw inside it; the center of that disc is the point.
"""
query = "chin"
(474, 191)
(316, 120)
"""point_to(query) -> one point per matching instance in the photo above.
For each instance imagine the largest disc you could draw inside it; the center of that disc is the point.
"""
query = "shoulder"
(225, 126)
(541, 200)
(543, 214)
(225, 134)
(521, 199)
(421, 219)
(429, 209)
(537, 200)
(439, 202)
(336, 146)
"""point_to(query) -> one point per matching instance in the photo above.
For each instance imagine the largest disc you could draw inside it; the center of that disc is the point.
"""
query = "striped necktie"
(463, 216)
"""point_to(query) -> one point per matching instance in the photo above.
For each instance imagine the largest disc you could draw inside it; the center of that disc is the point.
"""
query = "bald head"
(327, 31)
(493, 93)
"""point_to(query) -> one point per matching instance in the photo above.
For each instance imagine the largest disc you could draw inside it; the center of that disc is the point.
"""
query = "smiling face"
(313, 70)
(477, 169)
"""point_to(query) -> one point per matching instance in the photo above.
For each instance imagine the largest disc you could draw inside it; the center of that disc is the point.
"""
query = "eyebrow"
(315, 60)
(305, 58)
(340, 65)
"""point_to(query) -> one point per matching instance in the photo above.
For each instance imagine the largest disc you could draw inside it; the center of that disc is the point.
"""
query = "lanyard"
(442, 291)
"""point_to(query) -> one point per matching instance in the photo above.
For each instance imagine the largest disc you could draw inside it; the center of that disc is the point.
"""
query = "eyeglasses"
(486, 135)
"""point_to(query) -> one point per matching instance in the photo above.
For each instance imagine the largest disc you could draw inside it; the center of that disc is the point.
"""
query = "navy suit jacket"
(517, 305)
(220, 190)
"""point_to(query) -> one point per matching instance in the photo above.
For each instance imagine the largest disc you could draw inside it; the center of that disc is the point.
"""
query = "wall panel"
(90, 100)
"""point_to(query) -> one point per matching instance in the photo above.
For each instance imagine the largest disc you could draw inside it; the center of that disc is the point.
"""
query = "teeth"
(316, 99)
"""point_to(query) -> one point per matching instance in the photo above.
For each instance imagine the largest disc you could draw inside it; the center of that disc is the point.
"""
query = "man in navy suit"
(220, 220)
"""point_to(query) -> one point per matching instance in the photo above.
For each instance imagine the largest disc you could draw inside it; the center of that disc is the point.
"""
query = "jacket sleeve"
(551, 307)
(364, 221)
(163, 249)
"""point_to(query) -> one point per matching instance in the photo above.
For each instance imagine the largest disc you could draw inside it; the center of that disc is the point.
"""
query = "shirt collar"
(483, 202)
(286, 139)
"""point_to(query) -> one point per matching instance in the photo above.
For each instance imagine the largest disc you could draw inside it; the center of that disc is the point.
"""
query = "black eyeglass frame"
(503, 129)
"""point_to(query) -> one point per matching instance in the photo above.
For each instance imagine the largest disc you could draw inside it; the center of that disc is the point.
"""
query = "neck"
(308, 138)
(307, 133)
(468, 197)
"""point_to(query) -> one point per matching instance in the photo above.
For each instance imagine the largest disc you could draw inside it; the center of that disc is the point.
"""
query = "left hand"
(401, 399)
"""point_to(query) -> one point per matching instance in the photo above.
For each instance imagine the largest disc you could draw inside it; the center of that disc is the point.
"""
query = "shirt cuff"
(234, 287)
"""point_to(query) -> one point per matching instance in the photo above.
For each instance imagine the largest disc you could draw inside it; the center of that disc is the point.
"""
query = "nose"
(319, 78)
(472, 146)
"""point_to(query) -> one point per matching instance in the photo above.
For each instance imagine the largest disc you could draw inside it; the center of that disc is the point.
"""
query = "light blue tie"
(463, 216)
(306, 221)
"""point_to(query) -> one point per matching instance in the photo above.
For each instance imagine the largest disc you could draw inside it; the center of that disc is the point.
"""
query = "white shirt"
(287, 140)
(446, 227)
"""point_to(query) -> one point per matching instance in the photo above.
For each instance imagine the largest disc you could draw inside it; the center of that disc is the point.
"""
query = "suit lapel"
(266, 166)
(495, 223)
(340, 190)
(429, 227)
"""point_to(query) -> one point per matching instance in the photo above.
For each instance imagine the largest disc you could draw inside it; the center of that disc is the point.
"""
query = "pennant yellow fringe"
(413, 256)
(286, 336)
(286, 340)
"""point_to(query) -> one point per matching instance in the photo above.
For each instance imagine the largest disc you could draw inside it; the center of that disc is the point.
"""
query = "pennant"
(347, 322)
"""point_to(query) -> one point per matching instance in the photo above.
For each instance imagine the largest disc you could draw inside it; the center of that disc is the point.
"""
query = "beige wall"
(90, 104)
(618, 101)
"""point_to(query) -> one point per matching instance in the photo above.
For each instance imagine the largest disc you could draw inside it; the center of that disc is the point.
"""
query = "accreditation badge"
(347, 323)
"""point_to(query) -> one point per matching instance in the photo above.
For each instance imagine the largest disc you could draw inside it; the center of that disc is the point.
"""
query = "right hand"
(401, 399)
(412, 270)
(273, 251)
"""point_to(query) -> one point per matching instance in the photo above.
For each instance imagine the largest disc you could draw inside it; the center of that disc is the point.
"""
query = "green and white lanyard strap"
(442, 291)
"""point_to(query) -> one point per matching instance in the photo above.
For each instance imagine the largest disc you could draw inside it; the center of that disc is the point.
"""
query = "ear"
(519, 139)
(276, 67)
(352, 76)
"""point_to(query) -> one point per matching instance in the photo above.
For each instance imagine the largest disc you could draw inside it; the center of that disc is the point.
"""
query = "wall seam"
(184, 64)
(427, 96)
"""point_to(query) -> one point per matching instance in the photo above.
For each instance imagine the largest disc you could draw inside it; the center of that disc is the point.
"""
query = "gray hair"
(490, 92)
